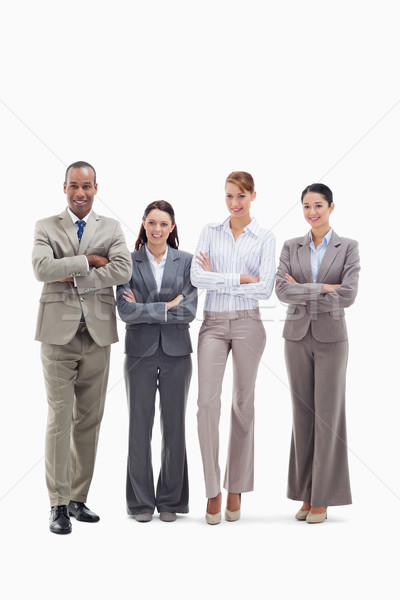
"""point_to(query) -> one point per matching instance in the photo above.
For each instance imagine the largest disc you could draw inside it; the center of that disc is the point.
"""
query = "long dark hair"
(319, 188)
(173, 239)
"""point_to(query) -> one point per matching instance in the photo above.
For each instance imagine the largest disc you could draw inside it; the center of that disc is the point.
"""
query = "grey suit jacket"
(324, 313)
(146, 326)
(57, 255)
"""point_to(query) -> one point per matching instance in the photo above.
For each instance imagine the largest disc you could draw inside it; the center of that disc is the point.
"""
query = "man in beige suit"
(79, 256)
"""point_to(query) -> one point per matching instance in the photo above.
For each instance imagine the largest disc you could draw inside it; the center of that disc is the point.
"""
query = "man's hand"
(97, 261)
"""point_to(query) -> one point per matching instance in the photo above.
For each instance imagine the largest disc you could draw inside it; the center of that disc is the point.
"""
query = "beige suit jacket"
(57, 255)
(324, 313)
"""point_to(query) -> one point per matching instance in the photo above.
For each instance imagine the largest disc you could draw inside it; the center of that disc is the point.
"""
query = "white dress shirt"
(317, 253)
(158, 270)
(253, 253)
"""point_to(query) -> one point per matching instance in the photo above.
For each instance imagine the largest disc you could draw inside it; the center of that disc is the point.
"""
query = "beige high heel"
(213, 519)
(301, 515)
(233, 515)
(317, 518)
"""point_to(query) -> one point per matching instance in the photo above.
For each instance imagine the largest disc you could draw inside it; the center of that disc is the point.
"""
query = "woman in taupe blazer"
(318, 278)
(157, 306)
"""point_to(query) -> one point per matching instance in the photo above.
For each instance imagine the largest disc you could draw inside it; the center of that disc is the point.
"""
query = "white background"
(165, 99)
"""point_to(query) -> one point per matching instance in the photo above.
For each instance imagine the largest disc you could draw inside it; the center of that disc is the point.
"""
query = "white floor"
(266, 554)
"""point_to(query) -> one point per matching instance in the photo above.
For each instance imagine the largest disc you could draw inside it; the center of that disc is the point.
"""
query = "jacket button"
(82, 299)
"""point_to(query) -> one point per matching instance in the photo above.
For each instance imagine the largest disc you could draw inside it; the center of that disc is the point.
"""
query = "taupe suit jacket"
(146, 326)
(324, 313)
(57, 255)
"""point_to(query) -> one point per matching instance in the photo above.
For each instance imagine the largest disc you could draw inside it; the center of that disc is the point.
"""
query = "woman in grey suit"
(318, 278)
(157, 306)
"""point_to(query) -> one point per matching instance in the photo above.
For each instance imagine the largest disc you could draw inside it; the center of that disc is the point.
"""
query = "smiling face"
(317, 211)
(238, 201)
(158, 225)
(80, 190)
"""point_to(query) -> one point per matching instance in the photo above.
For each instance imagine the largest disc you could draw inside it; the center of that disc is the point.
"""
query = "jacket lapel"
(69, 228)
(169, 275)
(88, 233)
(331, 252)
(304, 257)
(144, 268)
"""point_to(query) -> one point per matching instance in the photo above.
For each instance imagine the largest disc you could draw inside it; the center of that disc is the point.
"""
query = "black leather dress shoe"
(59, 520)
(81, 512)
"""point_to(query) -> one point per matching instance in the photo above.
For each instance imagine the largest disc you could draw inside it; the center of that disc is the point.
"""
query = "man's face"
(81, 190)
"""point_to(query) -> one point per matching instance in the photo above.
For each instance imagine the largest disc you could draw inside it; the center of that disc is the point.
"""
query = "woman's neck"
(157, 251)
(318, 235)
(239, 223)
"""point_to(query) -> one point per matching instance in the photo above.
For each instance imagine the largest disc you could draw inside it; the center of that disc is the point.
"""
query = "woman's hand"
(129, 296)
(174, 302)
(289, 278)
(329, 287)
(204, 261)
(244, 278)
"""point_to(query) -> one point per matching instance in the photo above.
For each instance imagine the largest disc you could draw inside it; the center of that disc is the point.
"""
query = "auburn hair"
(243, 180)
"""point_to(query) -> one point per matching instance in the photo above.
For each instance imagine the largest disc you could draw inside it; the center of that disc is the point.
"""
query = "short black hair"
(319, 188)
(79, 165)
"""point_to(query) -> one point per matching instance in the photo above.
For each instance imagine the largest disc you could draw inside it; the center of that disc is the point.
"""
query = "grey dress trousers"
(316, 351)
(157, 348)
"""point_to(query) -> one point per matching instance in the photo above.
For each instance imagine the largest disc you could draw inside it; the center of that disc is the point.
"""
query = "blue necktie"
(81, 227)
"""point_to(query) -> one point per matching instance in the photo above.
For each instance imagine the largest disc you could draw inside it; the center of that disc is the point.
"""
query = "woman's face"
(158, 225)
(238, 202)
(316, 210)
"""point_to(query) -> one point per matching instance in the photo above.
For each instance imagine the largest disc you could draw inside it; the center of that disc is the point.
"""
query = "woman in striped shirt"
(235, 262)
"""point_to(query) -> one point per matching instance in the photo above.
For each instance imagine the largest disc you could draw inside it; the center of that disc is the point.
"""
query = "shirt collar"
(325, 241)
(75, 218)
(152, 259)
(253, 226)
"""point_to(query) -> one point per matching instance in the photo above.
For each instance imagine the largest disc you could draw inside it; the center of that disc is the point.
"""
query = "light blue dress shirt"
(317, 254)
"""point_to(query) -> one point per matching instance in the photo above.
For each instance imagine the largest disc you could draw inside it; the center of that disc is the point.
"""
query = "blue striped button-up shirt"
(317, 254)
(253, 253)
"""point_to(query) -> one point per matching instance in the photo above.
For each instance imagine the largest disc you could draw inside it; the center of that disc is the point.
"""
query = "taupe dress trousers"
(242, 332)
(318, 466)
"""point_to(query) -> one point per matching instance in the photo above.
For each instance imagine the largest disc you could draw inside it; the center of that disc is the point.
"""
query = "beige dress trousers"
(232, 323)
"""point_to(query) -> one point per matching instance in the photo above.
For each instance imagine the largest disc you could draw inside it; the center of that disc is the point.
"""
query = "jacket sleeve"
(345, 295)
(117, 271)
(154, 312)
(293, 293)
(185, 312)
(49, 269)
(138, 312)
